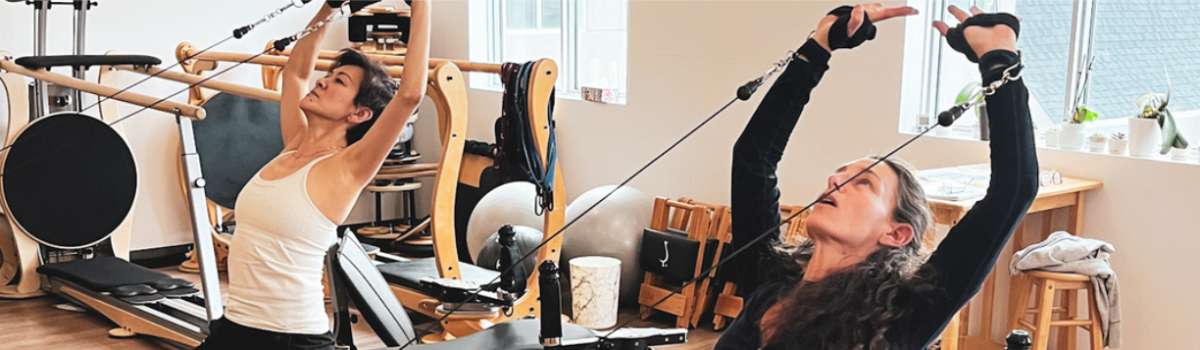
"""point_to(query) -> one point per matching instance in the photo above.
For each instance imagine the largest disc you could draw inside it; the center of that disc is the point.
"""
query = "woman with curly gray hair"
(860, 282)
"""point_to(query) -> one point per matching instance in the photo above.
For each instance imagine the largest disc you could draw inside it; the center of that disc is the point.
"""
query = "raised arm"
(754, 188)
(963, 260)
(366, 155)
(295, 81)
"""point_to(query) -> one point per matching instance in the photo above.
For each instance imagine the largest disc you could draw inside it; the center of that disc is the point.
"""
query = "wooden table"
(1066, 196)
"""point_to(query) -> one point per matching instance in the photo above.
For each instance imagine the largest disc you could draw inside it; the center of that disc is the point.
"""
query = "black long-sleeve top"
(963, 259)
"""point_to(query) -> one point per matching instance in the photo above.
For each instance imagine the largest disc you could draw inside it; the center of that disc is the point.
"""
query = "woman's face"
(858, 215)
(333, 96)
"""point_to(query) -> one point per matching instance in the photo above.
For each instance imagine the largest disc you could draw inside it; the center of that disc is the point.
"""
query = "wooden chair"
(728, 304)
(1045, 286)
(690, 221)
(721, 236)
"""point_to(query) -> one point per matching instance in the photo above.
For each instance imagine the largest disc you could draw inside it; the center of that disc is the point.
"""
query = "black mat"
(102, 273)
(69, 180)
(38, 62)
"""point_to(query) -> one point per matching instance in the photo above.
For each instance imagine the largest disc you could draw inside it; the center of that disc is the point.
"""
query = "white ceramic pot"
(1096, 147)
(1117, 146)
(1071, 137)
(1145, 137)
(1051, 137)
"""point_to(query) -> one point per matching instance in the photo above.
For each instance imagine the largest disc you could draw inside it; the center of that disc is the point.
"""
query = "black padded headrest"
(239, 137)
(69, 180)
(372, 294)
(39, 62)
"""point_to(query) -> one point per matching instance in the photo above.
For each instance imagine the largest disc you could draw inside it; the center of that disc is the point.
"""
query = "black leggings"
(225, 334)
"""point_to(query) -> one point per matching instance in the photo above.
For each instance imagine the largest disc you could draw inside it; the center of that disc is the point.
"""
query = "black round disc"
(238, 137)
(69, 180)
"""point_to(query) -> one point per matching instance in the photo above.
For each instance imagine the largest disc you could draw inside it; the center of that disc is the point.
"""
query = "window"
(587, 39)
(1134, 47)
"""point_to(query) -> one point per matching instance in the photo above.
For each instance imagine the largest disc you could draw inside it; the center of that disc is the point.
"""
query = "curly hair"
(854, 308)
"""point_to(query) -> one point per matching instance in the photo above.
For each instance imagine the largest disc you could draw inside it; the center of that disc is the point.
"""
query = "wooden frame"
(694, 221)
(20, 260)
(186, 110)
(721, 233)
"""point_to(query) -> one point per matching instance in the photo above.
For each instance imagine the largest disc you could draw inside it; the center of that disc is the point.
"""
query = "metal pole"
(79, 72)
(201, 231)
(40, 9)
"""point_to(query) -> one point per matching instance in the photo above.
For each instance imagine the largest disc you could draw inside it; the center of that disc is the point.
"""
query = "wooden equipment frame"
(694, 220)
(448, 90)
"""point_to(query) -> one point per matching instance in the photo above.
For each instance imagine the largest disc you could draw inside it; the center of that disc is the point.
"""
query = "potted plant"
(1144, 133)
(1117, 143)
(1096, 142)
(1071, 136)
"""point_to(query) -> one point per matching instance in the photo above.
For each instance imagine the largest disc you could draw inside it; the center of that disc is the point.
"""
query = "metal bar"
(80, 41)
(201, 231)
(40, 10)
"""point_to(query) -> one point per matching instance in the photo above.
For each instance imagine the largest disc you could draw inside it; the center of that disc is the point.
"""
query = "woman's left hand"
(982, 32)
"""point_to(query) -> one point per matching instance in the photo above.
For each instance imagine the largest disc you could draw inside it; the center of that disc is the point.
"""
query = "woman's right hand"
(873, 12)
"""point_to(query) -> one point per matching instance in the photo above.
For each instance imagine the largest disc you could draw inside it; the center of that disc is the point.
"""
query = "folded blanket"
(1063, 252)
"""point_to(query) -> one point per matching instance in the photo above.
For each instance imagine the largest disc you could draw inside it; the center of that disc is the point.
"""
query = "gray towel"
(1063, 252)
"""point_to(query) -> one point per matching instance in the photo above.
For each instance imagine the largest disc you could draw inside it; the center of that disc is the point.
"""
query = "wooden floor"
(38, 324)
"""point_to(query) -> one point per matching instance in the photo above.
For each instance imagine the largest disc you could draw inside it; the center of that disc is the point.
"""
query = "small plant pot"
(1071, 137)
(1096, 146)
(1145, 137)
(1117, 146)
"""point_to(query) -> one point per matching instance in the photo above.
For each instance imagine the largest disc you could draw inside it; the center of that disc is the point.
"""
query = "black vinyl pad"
(170, 284)
(371, 293)
(239, 137)
(38, 62)
(69, 180)
(142, 299)
(512, 335)
(131, 290)
(179, 292)
(410, 273)
(102, 273)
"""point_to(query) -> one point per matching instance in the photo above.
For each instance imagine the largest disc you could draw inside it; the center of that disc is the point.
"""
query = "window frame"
(926, 47)
(568, 84)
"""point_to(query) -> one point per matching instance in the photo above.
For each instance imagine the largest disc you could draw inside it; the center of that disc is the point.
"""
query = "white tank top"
(277, 256)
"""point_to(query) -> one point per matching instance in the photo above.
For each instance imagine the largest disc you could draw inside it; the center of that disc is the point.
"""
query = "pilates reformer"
(84, 258)
(355, 280)
(409, 277)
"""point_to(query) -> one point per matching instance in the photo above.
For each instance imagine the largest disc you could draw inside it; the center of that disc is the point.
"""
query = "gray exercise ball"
(510, 204)
(526, 239)
(612, 229)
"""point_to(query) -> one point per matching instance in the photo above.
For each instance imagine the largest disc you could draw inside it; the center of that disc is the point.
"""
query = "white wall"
(686, 59)
(155, 28)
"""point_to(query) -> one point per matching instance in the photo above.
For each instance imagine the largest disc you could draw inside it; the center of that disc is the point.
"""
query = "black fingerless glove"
(839, 36)
(958, 41)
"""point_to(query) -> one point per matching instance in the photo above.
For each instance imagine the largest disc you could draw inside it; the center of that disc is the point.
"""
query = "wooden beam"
(185, 110)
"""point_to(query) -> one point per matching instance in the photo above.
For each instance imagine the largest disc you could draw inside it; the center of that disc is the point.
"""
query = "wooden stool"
(1044, 285)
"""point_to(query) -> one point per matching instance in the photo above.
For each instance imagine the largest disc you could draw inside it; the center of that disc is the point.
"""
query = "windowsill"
(1190, 156)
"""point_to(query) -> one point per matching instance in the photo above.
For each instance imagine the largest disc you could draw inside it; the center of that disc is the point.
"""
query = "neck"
(321, 137)
(830, 258)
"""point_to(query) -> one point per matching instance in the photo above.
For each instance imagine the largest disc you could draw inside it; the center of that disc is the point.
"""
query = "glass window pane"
(551, 14)
(520, 14)
(1045, 48)
(529, 42)
(602, 47)
(1136, 44)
